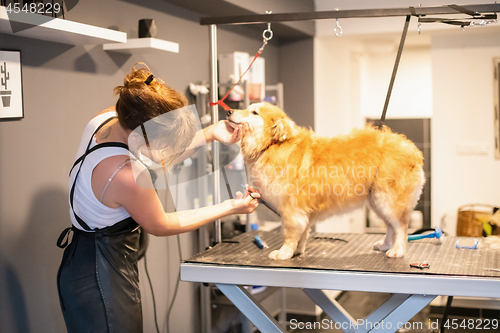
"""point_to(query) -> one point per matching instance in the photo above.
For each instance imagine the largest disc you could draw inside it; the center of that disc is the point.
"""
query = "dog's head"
(268, 125)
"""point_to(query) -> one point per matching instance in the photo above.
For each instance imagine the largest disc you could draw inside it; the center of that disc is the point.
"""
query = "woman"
(98, 278)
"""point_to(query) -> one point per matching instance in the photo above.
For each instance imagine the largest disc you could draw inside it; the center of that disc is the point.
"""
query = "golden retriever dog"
(306, 177)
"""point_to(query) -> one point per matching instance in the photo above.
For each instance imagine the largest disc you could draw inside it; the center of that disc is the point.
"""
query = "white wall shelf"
(143, 43)
(56, 30)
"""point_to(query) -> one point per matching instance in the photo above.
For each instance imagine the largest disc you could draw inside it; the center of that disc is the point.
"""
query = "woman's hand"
(245, 204)
(225, 133)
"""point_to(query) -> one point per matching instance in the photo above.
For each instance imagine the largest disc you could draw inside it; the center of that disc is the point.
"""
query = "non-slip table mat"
(357, 254)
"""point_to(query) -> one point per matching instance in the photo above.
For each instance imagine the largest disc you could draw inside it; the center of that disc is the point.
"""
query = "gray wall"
(296, 71)
(64, 87)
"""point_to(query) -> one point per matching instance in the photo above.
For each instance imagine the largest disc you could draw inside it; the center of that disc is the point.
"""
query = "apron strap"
(101, 145)
(81, 159)
(64, 236)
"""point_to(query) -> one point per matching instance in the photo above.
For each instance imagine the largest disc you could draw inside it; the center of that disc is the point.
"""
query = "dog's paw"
(381, 246)
(280, 254)
(395, 252)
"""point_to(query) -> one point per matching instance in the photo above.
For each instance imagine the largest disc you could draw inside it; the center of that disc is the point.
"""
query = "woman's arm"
(202, 137)
(193, 219)
(221, 131)
(145, 208)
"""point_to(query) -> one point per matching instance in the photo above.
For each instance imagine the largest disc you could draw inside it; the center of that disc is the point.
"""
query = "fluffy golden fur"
(307, 178)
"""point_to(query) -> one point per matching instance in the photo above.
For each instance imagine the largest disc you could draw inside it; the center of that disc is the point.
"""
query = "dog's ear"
(282, 129)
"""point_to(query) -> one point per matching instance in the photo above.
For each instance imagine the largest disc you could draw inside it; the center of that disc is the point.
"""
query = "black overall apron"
(98, 279)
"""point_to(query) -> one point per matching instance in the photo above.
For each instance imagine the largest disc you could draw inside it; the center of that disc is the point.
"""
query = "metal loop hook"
(338, 29)
(267, 31)
(419, 29)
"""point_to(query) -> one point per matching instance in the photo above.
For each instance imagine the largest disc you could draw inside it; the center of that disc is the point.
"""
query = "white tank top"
(85, 203)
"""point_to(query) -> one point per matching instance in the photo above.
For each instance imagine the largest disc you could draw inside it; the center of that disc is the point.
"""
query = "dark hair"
(139, 102)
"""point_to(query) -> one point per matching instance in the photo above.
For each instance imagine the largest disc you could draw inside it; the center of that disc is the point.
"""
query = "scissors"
(260, 200)
(492, 269)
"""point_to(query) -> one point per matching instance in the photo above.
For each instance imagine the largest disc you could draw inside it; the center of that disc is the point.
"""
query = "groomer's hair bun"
(139, 102)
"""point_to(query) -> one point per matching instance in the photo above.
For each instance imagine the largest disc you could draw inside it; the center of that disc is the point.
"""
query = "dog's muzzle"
(231, 122)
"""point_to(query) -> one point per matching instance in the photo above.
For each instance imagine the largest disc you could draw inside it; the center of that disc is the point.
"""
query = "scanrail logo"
(26, 14)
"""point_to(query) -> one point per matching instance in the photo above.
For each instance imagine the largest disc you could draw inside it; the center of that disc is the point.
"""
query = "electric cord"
(152, 293)
(155, 312)
(445, 314)
(176, 289)
(176, 286)
(148, 276)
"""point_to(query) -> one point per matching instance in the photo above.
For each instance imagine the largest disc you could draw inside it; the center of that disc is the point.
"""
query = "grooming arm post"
(215, 118)
(395, 69)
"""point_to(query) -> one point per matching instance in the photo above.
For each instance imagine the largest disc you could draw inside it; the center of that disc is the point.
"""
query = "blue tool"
(258, 242)
(261, 201)
(469, 247)
(436, 234)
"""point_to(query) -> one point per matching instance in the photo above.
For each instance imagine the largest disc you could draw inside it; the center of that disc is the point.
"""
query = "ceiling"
(283, 32)
(290, 31)
(367, 26)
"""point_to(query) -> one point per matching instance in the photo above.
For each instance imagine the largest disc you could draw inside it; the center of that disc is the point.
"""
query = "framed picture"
(11, 85)
(496, 63)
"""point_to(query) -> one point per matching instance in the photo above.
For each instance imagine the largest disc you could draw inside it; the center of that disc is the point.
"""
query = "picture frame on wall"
(496, 64)
(11, 85)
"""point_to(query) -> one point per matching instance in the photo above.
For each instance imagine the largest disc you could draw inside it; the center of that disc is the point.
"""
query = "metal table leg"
(332, 308)
(283, 319)
(381, 312)
(247, 304)
(403, 313)
(389, 317)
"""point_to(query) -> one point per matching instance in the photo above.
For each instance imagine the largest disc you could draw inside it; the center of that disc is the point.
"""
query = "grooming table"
(346, 264)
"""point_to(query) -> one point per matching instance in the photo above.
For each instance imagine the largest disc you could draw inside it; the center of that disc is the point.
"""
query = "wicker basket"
(470, 219)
